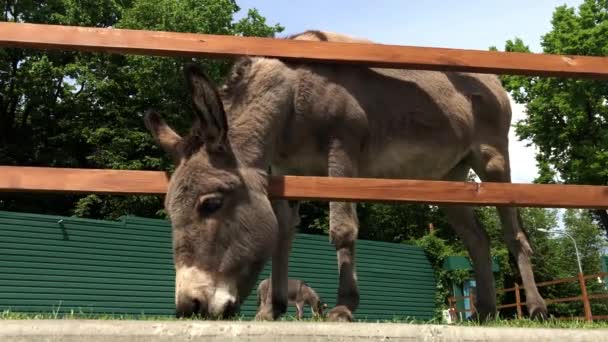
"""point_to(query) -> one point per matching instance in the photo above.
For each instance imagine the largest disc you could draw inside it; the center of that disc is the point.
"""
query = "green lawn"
(551, 323)
(518, 323)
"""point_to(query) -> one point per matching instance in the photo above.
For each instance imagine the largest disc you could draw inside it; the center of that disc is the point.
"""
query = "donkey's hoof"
(482, 316)
(265, 314)
(539, 313)
(340, 314)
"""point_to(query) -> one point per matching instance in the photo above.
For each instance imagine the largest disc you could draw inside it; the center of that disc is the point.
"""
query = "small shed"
(468, 286)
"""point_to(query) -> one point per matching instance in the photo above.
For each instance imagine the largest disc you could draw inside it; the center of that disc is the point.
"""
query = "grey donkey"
(324, 120)
(298, 293)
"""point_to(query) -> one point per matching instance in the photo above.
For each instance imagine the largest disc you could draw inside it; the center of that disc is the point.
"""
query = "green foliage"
(399, 222)
(437, 250)
(389, 222)
(314, 218)
(70, 109)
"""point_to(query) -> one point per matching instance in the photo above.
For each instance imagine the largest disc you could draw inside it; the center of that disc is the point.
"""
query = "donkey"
(333, 120)
(298, 293)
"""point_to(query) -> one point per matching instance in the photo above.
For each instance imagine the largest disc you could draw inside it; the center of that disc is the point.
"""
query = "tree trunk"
(602, 216)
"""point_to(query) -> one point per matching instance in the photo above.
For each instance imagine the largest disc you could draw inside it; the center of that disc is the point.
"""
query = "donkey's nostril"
(196, 306)
(231, 309)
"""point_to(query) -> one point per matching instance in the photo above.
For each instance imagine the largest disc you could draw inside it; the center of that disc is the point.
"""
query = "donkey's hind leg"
(469, 229)
(491, 163)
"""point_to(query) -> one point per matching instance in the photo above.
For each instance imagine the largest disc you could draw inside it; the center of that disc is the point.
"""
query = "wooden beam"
(66, 180)
(563, 300)
(58, 180)
(557, 281)
(378, 55)
(440, 192)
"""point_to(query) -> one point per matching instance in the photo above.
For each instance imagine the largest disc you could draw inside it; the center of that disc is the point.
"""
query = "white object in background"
(447, 318)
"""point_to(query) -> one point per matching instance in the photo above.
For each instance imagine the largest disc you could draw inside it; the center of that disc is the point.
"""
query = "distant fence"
(62, 264)
(585, 298)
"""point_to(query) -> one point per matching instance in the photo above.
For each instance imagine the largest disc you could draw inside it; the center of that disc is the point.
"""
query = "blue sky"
(465, 24)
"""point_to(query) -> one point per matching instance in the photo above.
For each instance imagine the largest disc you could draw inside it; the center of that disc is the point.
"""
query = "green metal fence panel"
(63, 264)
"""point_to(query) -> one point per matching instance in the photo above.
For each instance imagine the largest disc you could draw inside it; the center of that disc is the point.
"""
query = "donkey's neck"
(256, 122)
(255, 133)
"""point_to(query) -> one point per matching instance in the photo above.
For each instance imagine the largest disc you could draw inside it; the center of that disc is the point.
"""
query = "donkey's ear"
(165, 137)
(212, 123)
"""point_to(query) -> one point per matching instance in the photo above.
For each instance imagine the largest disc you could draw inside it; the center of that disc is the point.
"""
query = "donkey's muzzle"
(189, 307)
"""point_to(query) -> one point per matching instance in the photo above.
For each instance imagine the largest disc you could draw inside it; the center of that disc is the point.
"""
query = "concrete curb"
(157, 331)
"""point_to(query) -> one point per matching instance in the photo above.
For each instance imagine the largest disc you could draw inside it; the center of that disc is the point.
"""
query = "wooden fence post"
(586, 305)
(472, 303)
(517, 301)
(452, 309)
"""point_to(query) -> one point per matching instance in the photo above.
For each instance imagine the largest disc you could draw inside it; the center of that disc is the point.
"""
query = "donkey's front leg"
(343, 229)
(288, 219)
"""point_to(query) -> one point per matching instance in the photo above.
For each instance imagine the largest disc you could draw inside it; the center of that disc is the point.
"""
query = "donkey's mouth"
(231, 310)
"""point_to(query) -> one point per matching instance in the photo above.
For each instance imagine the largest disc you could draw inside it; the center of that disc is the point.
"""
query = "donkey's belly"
(409, 160)
(395, 160)
(303, 161)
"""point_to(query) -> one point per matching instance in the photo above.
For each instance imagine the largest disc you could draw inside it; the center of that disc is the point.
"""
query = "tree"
(69, 109)
(40, 105)
(567, 119)
(580, 225)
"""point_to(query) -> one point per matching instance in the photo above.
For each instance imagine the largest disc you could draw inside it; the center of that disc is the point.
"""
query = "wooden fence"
(585, 298)
(15, 179)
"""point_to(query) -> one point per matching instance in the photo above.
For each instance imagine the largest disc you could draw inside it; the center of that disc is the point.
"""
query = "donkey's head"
(224, 228)
(320, 307)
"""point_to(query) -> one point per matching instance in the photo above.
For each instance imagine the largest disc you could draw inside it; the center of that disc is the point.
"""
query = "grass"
(514, 323)
(550, 323)
(56, 314)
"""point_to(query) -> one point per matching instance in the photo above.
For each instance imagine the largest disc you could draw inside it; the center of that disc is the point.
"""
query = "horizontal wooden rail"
(510, 289)
(506, 306)
(563, 300)
(557, 281)
(379, 55)
(66, 180)
(601, 275)
(598, 296)
(121, 182)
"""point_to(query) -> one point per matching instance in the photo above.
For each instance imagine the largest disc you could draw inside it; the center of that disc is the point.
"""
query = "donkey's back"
(402, 123)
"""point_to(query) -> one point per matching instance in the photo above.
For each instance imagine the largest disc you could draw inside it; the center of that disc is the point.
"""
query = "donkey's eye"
(210, 205)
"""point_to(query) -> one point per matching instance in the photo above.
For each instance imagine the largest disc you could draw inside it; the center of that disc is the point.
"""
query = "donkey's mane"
(242, 65)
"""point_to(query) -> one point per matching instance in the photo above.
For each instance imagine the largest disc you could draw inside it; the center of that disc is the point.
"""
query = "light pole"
(581, 278)
(578, 256)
